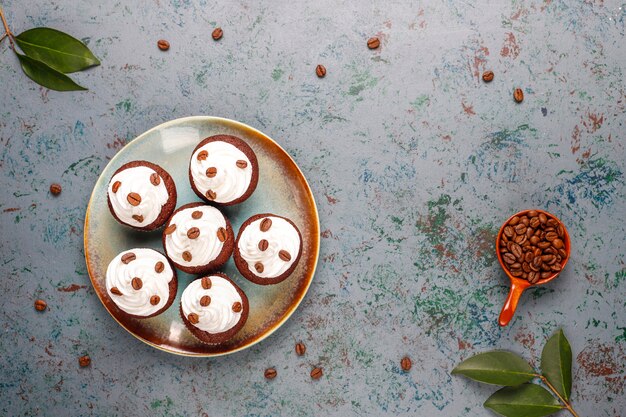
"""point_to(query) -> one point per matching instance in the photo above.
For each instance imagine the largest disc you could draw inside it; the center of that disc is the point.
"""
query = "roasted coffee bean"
(556, 267)
(263, 244)
(543, 245)
(557, 243)
(266, 224)
(159, 267)
(525, 275)
(206, 283)
(137, 283)
(300, 349)
(520, 229)
(537, 252)
(563, 253)
(514, 221)
(270, 373)
(561, 230)
(509, 231)
(373, 43)
(524, 220)
(521, 239)
(55, 189)
(217, 34)
(503, 241)
(284, 255)
(533, 277)
(552, 223)
(202, 155)
(155, 179)
(211, 172)
(163, 44)
(193, 233)
(211, 195)
(534, 223)
(516, 250)
(488, 76)
(543, 218)
(205, 300)
(545, 267)
(187, 256)
(549, 229)
(528, 257)
(128, 257)
(552, 261)
(406, 364)
(516, 272)
(516, 265)
(221, 234)
(84, 361)
(133, 199)
(534, 240)
(509, 245)
(546, 274)
(193, 318)
(154, 300)
(317, 373)
(530, 232)
(532, 213)
(550, 236)
(170, 229)
(526, 267)
(518, 95)
(116, 186)
(237, 307)
(320, 70)
(509, 258)
(40, 305)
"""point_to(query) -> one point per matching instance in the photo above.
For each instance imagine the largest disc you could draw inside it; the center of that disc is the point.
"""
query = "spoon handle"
(511, 303)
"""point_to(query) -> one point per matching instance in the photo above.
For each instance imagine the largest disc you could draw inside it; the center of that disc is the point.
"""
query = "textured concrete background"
(414, 163)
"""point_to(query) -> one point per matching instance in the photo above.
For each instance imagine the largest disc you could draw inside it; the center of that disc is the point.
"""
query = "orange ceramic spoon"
(518, 285)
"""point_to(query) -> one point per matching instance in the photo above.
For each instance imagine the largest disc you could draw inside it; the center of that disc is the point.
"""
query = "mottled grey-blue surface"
(414, 162)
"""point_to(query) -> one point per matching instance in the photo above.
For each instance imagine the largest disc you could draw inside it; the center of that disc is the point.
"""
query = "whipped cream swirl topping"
(278, 251)
(217, 312)
(137, 195)
(137, 280)
(222, 170)
(199, 246)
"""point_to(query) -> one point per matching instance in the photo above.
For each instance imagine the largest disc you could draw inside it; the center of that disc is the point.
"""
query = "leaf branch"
(7, 31)
(567, 405)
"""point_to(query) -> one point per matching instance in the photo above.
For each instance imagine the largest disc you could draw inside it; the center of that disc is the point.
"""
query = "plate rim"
(316, 247)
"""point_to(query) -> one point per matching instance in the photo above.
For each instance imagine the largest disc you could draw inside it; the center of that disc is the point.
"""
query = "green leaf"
(497, 367)
(56, 49)
(556, 364)
(46, 76)
(527, 400)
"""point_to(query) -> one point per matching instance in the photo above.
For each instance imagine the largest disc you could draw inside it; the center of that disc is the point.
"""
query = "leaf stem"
(7, 30)
(567, 404)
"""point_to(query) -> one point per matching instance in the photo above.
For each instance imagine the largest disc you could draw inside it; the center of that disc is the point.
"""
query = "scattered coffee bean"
(116, 186)
(187, 256)
(406, 364)
(217, 34)
(320, 70)
(193, 318)
(193, 233)
(116, 291)
(259, 267)
(163, 44)
(137, 283)
(241, 163)
(170, 229)
(266, 224)
(221, 234)
(138, 218)
(84, 361)
(40, 305)
(205, 300)
(202, 155)
(531, 246)
(270, 373)
(263, 245)
(373, 43)
(211, 172)
(154, 300)
(317, 373)
(159, 267)
(488, 76)
(196, 214)
(284, 255)
(55, 189)
(211, 195)
(237, 307)
(155, 179)
(518, 95)
(300, 349)
(133, 199)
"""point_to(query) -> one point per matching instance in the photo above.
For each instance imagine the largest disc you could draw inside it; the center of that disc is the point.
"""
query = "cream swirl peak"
(213, 300)
(137, 195)
(220, 171)
(192, 237)
(270, 250)
(137, 281)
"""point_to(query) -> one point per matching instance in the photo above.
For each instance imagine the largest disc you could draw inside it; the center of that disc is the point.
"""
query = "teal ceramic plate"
(282, 189)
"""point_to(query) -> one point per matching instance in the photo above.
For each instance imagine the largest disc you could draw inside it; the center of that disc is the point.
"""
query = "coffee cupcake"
(141, 282)
(223, 170)
(267, 249)
(198, 238)
(214, 308)
(141, 195)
